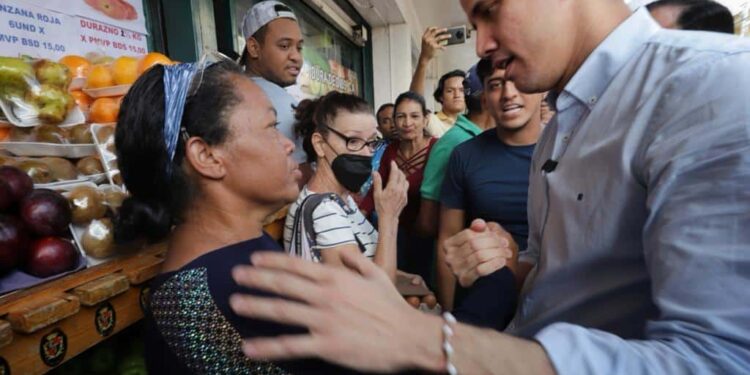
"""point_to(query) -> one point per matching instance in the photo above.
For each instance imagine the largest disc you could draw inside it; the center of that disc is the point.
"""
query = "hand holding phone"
(456, 35)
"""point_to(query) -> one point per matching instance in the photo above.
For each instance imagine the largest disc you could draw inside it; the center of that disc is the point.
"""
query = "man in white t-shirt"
(273, 58)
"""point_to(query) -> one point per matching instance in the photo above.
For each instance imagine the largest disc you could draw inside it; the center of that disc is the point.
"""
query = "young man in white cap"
(273, 57)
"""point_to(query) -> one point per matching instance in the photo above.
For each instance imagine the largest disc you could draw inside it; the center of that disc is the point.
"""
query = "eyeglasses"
(356, 144)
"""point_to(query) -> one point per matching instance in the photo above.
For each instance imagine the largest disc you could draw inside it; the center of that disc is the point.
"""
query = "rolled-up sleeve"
(696, 243)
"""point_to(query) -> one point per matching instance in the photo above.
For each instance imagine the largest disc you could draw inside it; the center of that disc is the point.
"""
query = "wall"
(397, 42)
(392, 68)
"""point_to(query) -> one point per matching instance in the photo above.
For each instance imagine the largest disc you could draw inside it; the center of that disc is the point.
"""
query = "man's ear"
(204, 159)
(253, 48)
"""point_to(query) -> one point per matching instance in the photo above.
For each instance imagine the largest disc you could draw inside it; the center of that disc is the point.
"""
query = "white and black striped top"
(335, 225)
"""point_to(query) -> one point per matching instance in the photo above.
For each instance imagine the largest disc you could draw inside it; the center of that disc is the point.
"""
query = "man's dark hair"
(705, 15)
(485, 68)
(438, 94)
(382, 108)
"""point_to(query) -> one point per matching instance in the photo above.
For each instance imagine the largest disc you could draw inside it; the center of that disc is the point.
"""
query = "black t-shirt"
(490, 180)
(192, 329)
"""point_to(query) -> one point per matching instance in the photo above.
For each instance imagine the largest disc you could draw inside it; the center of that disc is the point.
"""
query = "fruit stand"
(44, 326)
(65, 286)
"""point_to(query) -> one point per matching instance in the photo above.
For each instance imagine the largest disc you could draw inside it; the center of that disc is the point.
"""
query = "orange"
(78, 66)
(151, 59)
(83, 100)
(104, 110)
(100, 76)
(125, 70)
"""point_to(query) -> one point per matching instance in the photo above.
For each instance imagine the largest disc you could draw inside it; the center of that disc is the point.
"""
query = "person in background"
(637, 260)
(273, 58)
(488, 176)
(466, 127)
(386, 127)
(340, 136)
(203, 180)
(409, 154)
(705, 15)
(449, 91)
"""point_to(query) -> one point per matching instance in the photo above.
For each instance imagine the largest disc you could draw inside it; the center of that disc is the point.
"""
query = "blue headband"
(177, 80)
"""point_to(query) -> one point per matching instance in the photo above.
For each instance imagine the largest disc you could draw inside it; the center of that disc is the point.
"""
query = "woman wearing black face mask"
(340, 135)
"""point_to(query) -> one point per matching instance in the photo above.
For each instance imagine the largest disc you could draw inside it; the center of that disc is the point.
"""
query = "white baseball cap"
(262, 13)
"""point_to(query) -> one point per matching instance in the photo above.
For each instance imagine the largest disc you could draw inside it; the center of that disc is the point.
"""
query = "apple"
(50, 256)
(20, 183)
(46, 212)
(14, 242)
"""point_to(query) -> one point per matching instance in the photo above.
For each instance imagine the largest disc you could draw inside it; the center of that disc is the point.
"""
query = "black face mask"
(352, 171)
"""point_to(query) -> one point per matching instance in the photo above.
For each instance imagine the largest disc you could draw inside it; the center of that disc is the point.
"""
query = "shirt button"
(592, 100)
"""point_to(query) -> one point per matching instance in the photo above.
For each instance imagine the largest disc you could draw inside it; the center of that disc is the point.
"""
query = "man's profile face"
(531, 39)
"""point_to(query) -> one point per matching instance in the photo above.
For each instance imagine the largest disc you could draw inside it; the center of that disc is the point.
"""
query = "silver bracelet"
(448, 322)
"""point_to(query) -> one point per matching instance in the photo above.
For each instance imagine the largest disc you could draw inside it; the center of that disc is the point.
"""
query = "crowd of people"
(578, 204)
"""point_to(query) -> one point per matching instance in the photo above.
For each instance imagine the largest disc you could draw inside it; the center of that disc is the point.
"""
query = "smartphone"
(457, 35)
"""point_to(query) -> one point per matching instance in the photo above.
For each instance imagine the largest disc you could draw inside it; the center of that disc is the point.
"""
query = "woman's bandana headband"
(181, 81)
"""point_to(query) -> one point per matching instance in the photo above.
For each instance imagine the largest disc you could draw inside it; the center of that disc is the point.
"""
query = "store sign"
(52, 29)
(126, 14)
(320, 76)
(26, 29)
(110, 40)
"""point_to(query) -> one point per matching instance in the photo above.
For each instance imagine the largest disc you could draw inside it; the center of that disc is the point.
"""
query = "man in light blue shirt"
(638, 259)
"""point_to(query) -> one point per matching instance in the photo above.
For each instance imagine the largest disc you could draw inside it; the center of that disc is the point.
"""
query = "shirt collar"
(443, 117)
(601, 67)
(469, 126)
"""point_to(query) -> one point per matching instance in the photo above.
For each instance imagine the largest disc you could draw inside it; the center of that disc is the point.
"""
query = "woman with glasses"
(340, 136)
(409, 154)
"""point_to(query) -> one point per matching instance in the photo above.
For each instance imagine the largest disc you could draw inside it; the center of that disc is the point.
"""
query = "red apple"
(51, 255)
(14, 242)
(46, 212)
(19, 182)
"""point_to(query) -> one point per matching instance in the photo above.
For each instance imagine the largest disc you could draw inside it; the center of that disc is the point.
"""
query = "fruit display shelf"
(44, 326)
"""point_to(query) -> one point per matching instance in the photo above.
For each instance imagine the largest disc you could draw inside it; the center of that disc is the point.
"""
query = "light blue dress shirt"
(641, 234)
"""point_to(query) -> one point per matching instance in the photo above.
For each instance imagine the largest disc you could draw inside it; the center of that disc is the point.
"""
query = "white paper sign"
(94, 36)
(26, 29)
(127, 14)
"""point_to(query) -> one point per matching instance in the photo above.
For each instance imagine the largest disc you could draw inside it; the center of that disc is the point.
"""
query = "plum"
(50, 256)
(14, 242)
(46, 212)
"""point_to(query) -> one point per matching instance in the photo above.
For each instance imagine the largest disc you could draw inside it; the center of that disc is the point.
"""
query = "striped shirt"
(335, 225)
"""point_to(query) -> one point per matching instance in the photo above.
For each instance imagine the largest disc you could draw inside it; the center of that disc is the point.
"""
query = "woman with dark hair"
(409, 154)
(205, 165)
(340, 135)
